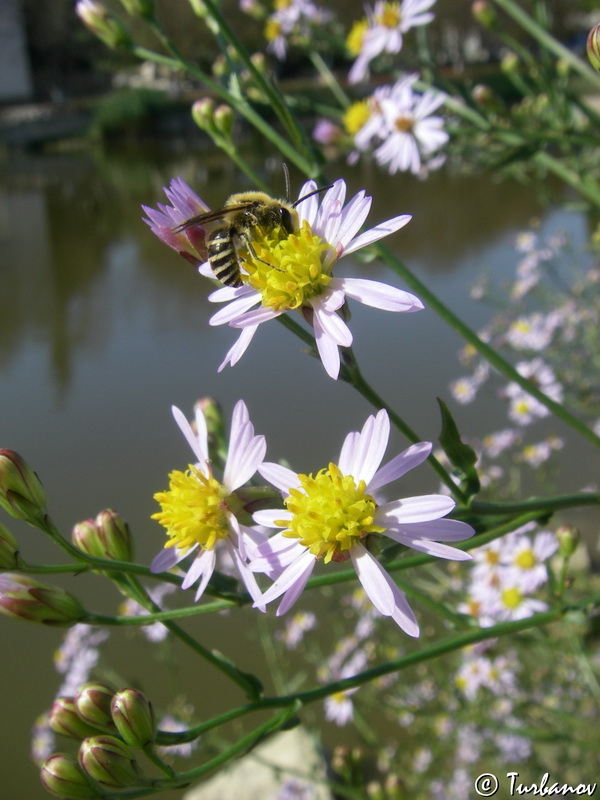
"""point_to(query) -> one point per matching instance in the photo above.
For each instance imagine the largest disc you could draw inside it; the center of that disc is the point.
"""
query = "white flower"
(330, 514)
(295, 273)
(196, 510)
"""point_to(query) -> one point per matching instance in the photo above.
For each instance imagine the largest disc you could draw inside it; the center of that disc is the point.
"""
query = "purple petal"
(328, 350)
(377, 233)
(281, 477)
(256, 317)
(239, 348)
(415, 509)
(378, 295)
(235, 310)
(197, 441)
(247, 577)
(333, 326)
(297, 572)
(371, 446)
(429, 547)
(167, 558)
(405, 461)
(369, 572)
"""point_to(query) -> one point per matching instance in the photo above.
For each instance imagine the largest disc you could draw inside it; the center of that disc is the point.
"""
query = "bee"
(227, 229)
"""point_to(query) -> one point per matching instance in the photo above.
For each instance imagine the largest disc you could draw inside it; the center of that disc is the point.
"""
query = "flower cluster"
(295, 21)
(335, 514)
(505, 575)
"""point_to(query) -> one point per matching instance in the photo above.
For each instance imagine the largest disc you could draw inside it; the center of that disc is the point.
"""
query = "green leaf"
(461, 455)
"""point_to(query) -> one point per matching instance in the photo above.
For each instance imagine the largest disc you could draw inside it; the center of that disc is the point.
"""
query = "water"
(103, 328)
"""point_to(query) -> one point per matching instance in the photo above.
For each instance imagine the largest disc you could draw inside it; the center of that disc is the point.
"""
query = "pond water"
(103, 328)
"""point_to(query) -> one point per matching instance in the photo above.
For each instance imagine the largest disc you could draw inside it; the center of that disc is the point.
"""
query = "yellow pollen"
(286, 269)
(272, 30)
(390, 16)
(330, 513)
(193, 509)
(512, 597)
(354, 40)
(526, 560)
(356, 116)
(280, 5)
(404, 124)
(492, 557)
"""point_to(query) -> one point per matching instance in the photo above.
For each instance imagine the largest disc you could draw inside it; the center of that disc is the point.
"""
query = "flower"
(332, 515)
(199, 512)
(295, 272)
(381, 31)
(295, 20)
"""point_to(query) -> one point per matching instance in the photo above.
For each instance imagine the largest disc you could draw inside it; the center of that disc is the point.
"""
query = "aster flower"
(288, 272)
(292, 19)
(382, 31)
(199, 512)
(330, 516)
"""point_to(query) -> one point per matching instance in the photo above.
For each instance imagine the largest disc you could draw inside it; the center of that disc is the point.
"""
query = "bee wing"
(211, 216)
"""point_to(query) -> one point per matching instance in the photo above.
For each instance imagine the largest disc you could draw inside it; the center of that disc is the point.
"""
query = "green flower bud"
(483, 13)
(510, 63)
(203, 112)
(92, 703)
(109, 761)
(139, 8)
(63, 777)
(593, 47)
(485, 97)
(133, 715)
(224, 119)
(27, 599)
(107, 536)
(260, 62)
(98, 19)
(568, 540)
(198, 8)
(9, 549)
(64, 719)
(21, 493)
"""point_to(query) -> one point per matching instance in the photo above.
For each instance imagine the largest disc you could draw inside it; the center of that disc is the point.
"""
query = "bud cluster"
(107, 536)
(109, 725)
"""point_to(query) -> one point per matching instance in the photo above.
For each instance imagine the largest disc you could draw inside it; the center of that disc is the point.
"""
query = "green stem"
(548, 41)
(493, 357)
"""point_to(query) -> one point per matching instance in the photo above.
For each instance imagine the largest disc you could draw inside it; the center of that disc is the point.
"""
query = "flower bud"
(568, 540)
(98, 19)
(107, 536)
(133, 715)
(21, 493)
(109, 761)
(483, 13)
(593, 47)
(203, 112)
(139, 8)
(64, 719)
(488, 99)
(62, 776)
(92, 703)
(27, 599)
(224, 119)
(510, 63)
(9, 549)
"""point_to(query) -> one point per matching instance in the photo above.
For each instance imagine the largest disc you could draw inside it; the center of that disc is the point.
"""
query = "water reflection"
(102, 329)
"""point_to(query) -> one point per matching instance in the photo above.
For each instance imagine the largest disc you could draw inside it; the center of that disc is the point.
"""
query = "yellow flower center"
(286, 269)
(193, 509)
(354, 41)
(390, 16)
(512, 598)
(356, 116)
(526, 560)
(330, 512)
(272, 30)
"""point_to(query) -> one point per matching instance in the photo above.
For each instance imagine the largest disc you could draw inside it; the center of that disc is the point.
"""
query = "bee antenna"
(286, 174)
(310, 194)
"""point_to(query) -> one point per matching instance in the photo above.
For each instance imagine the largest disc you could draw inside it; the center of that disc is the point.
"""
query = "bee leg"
(248, 246)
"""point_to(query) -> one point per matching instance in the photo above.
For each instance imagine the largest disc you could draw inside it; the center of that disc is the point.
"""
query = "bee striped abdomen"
(223, 257)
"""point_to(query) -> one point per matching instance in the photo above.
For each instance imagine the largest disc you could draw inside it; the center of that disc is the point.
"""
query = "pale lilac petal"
(277, 553)
(197, 441)
(239, 348)
(225, 294)
(247, 577)
(442, 530)
(379, 295)
(235, 309)
(269, 517)
(167, 558)
(371, 446)
(296, 571)
(348, 452)
(377, 233)
(333, 326)
(294, 592)
(330, 214)
(256, 317)
(409, 459)
(204, 561)
(353, 218)
(428, 546)
(281, 477)
(246, 452)
(308, 209)
(415, 509)
(328, 350)
(403, 614)
(209, 558)
(370, 574)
